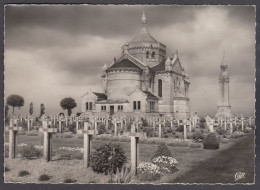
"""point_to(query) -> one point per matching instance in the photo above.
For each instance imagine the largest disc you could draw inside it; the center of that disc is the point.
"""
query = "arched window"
(147, 55)
(153, 55)
(160, 88)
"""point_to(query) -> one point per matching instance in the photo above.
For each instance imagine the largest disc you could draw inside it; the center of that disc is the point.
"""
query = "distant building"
(142, 81)
(223, 108)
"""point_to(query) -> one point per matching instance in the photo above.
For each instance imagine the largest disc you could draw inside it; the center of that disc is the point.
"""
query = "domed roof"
(143, 35)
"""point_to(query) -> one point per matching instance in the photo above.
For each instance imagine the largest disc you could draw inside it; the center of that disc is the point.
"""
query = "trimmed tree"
(68, 104)
(42, 110)
(31, 108)
(15, 101)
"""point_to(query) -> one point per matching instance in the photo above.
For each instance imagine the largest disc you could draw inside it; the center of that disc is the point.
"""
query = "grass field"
(192, 161)
(223, 167)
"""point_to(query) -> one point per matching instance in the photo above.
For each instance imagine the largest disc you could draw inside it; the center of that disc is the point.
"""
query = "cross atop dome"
(223, 59)
(143, 21)
(143, 17)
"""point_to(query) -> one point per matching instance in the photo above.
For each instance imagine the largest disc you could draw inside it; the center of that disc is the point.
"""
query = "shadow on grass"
(223, 167)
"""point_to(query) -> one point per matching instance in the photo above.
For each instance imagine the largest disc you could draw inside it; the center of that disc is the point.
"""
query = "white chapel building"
(142, 81)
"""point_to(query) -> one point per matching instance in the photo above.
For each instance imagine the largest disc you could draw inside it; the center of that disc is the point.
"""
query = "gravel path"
(58, 170)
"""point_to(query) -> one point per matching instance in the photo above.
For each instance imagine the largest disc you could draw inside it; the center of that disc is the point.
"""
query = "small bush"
(180, 128)
(107, 158)
(23, 173)
(202, 123)
(162, 150)
(195, 145)
(7, 169)
(211, 142)
(72, 127)
(69, 180)
(198, 136)
(102, 129)
(221, 131)
(30, 152)
(44, 177)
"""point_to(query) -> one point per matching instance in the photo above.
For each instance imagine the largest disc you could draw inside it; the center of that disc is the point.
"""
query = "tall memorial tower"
(223, 108)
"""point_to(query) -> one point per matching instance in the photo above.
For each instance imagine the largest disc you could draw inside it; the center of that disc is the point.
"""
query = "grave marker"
(87, 141)
(230, 126)
(134, 148)
(13, 129)
(47, 140)
(184, 122)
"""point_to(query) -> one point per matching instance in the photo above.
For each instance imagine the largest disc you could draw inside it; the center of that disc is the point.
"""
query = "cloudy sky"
(58, 51)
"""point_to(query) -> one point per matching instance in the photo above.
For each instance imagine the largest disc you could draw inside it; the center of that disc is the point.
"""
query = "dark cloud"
(63, 48)
(241, 14)
(22, 22)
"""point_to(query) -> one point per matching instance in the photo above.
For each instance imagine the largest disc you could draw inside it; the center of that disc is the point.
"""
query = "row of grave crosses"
(228, 121)
(30, 119)
(88, 132)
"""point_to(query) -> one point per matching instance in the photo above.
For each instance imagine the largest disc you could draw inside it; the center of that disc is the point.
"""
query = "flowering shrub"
(166, 164)
(147, 171)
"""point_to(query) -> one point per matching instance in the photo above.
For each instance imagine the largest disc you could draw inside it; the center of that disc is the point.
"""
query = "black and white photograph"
(129, 94)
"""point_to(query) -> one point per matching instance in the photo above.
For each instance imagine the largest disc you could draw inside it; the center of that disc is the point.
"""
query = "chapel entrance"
(111, 110)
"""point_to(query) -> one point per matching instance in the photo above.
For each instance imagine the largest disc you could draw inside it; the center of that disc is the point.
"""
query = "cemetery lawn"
(223, 163)
(223, 167)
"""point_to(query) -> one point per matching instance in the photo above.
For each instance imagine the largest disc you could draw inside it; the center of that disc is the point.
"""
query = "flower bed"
(147, 171)
(72, 149)
(147, 140)
(166, 164)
